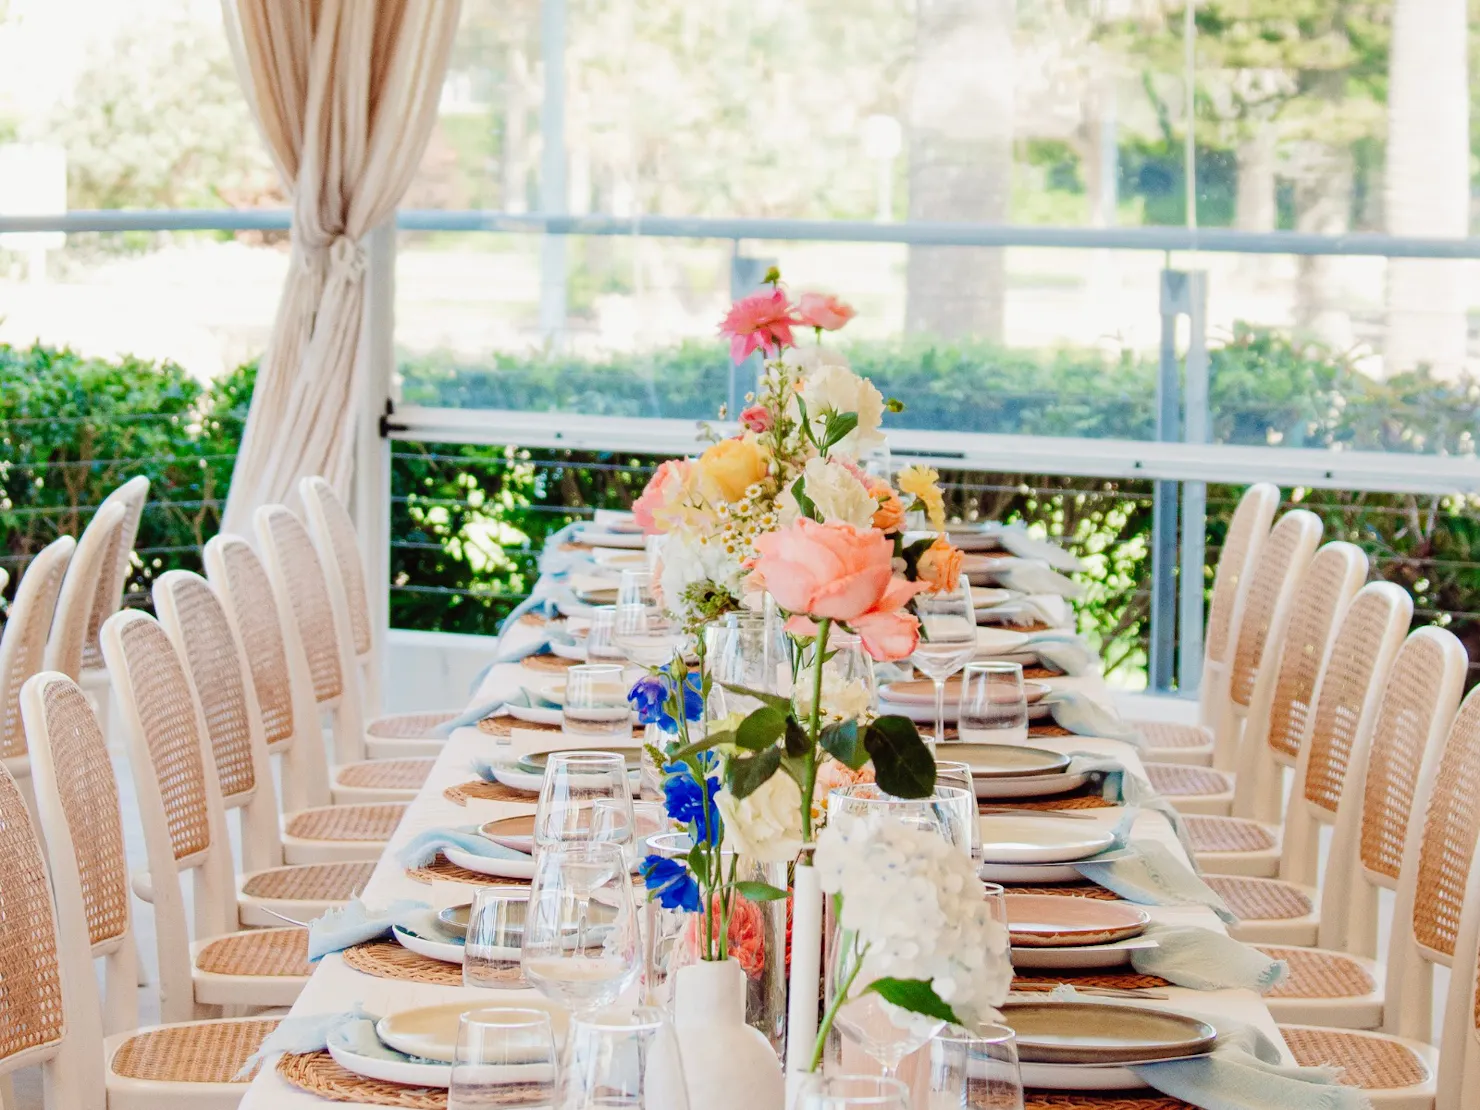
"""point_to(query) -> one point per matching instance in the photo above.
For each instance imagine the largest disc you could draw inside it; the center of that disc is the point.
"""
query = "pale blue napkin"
(1206, 960)
(1084, 716)
(1120, 786)
(355, 923)
(422, 848)
(308, 1033)
(1064, 651)
(488, 709)
(1152, 876)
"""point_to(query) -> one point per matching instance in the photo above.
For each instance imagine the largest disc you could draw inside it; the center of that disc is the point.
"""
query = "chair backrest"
(1272, 583)
(1346, 701)
(191, 613)
(307, 606)
(113, 575)
(1418, 703)
(179, 798)
(46, 1014)
(23, 643)
(1284, 694)
(1247, 531)
(77, 801)
(1437, 861)
(69, 627)
(338, 545)
(245, 592)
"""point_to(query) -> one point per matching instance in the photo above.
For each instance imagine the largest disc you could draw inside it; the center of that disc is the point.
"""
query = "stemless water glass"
(505, 1057)
(852, 1092)
(580, 935)
(596, 703)
(628, 824)
(948, 811)
(635, 588)
(622, 1060)
(947, 641)
(495, 936)
(748, 649)
(601, 645)
(645, 634)
(574, 782)
(993, 709)
(972, 1070)
(948, 772)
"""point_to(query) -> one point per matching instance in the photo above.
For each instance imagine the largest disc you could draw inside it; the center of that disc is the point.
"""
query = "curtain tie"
(348, 257)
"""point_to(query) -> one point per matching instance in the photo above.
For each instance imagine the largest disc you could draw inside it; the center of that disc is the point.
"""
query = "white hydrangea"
(834, 388)
(687, 559)
(915, 900)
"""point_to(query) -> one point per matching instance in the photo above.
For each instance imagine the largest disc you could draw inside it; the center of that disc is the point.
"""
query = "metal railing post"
(1195, 429)
(1164, 494)
(372, 473)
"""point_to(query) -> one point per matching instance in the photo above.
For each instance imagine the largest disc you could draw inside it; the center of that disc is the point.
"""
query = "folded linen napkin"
(476, 713)
(1120, 786)
(422, 848)
(1206, 960)
(354, 1030)
(1064, 651)
(1084, 716)
(354, 923)
(1016, 540)
(1040, 609)
(1152, 876)
(1028, 576)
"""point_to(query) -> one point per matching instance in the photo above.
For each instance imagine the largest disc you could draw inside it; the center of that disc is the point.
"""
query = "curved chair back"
(1247, 532)
(23, 645)
(338, 545)
(113, 574)
(192, 615)
(96, 550)
(77, 798)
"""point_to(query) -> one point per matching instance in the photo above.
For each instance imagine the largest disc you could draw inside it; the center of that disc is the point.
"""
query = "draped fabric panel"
(345, 93)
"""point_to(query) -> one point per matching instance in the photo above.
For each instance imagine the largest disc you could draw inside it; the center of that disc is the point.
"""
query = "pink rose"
(664, 488)
(823, 310)
(757, 323)
(756, 419)
(838, 572)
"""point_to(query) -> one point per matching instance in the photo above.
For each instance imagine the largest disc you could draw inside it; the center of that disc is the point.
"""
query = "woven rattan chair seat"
(386, 774)
(199, 1052)
(1261, 899)
(310, 882)
(1373, 1063)
(1318, 974)
(1174, 734)
(1181, 780)
(275, 952)
(408, 726)
(363, 823)
(1228, 834)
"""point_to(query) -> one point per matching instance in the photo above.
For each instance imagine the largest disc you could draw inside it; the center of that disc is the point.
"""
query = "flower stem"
(837, 1004)
(814, 729)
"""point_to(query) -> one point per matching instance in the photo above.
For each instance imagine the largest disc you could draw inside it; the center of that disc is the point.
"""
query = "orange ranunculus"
(889, 517)
(940, 567)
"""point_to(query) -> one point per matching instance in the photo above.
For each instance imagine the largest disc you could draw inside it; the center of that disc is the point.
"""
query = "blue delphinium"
(689, 806)
(671, 883)
(651, 693)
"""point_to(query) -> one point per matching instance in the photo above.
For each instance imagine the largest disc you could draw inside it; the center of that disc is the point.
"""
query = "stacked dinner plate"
(1060, 933)
(915, 698)
(1092, 1046)
(527, 772)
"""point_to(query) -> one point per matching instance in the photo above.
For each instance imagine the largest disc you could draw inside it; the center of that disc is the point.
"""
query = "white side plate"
(503, 868)
(447, 951)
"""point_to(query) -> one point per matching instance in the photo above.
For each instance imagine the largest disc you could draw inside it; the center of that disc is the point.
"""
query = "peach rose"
(838, 572)
(665, 489)
(889, 517)
(940, 566)
(730, 466)
(745, 938)
(823, 310)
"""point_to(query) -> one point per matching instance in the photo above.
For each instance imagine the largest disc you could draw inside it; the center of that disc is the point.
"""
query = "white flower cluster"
(835, 491)
(916, 902)
(843, 699)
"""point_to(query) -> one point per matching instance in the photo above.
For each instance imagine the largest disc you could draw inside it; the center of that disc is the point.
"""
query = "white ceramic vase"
(727, 1064)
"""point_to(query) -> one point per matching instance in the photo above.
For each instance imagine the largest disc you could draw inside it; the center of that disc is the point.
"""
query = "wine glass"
(948, 772)
(648, 636)
(947, 810)
(622, 1060)
(505, 1057)
(852, 1092)
(947, 641)
(573, 783)
(973, 1070)
(596, 703)
(580, 935)
(495, 935)
(993, 709)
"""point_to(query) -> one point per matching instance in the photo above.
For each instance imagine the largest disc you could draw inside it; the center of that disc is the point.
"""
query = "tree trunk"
(960, 150)
(1428, 183)
(1324, 179)
(1254, 206)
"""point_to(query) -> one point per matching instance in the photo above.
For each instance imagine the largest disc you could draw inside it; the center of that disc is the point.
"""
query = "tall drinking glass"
(852, 1092)
(495, 936)
(972, 1070)
(635, 588)
(505, 1057)
(948, 772)
(993, 709)
(601, 647)
(596, 705)
(622, 1060)
(947, 641)
(574, 782)
(645, 634)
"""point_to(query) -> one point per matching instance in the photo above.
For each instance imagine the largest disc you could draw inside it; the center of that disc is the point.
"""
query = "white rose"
(834, 388)
(766, 825)
(837, 494)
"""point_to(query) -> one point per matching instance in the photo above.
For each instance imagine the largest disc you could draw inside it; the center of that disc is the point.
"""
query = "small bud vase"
(727, 1064)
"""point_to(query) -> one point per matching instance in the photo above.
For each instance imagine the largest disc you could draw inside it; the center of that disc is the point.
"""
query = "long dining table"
(337, 987)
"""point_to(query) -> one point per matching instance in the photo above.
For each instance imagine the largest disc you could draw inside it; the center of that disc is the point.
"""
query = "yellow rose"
(923, 483)
(729, 467)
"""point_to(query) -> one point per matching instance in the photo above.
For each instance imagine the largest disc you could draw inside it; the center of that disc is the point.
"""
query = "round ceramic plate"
(1051, 921)
(1087, 958)
(515, 779)
(991, 642)
(1036, 873)
(487, 865)
(988, 761)
(537, 714)
(455, 920)
(431, 1031)
(411, 1072)
(1035, 692)
(1028, 838)
(1024, 786)
(590, 537)
(1078, 1077)
(538, 757)
(606, 595)
(511, 832)
(570, 651)
(921, 712)
(1103, 1034)
(448, 951)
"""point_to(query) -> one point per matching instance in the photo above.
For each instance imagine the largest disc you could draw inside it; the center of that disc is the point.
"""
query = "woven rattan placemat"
(486, 792)
(385, 959)
(548, 664)
(1114, 980)
(318, 1074)
(442, 868)
(1109, 1100)
(1084, 889)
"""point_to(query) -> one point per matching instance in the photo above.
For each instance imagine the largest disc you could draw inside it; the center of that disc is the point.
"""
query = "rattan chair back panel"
(211, 656)
(1288, 542)
(243, 582)
(1405, 720)
(114, 572)
(167, 718)
(30, 973)
(23, 643)
(345, 543)
(1329, 582)
(69, 627)
(1450, 824)
(88, 792)
(308, 597)
(1346, 686)
(1246, 534)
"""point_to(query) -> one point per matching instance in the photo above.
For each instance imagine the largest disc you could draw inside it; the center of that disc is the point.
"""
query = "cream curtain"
(346, 94)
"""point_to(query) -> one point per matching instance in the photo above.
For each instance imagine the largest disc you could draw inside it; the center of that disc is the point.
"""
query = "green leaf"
(916, 995)
(713, 740)
(748, 773)
(761, 729)
(772, 700)
(842, 743)
(760, 892)
(804, 503)
(839, 424)
(798, 743)
(903, 765)
(698, 863)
